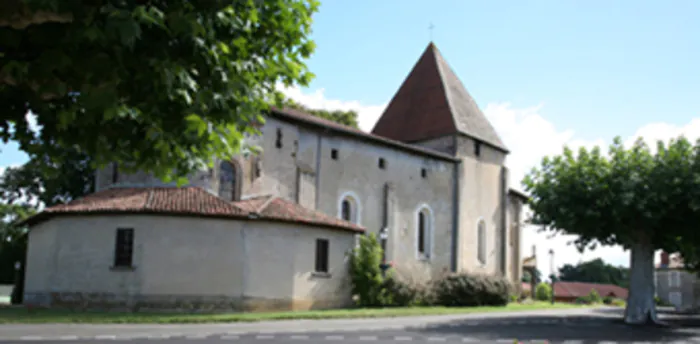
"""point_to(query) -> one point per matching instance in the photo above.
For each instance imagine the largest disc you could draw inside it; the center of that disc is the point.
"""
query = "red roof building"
(570, 291)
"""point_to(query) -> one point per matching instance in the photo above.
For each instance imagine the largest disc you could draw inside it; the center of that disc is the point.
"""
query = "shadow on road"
(603, 327)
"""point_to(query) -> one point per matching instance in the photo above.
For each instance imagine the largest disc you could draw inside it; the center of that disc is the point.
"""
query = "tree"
(527, 278)
(632, 197)
(595, 271)
(13, 246)
(43, 181)
(160, 86)
(366, 278)
(543, 292)
(348, 118)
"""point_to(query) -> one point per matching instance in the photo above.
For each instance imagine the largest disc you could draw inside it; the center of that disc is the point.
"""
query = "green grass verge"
(22, 315)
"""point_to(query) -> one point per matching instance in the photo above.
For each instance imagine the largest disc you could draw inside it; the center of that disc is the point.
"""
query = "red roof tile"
(270, 207)
(192, 201)
(580, 289)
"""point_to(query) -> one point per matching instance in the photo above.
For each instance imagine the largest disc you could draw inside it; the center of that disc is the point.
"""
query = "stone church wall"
(481, 198)
(329, 166)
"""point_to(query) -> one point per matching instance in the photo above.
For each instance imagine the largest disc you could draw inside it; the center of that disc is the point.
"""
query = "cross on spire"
(431, 27)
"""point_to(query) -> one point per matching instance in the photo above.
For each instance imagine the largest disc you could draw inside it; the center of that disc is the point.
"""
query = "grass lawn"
(22, 315)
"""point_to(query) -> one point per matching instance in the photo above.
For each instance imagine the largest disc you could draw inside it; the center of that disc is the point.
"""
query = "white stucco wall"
(264, 265)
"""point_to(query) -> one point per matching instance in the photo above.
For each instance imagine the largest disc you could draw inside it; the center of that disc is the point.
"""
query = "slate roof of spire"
(433, 102)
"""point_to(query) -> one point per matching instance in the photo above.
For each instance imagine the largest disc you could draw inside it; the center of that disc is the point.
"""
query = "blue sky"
(546, 73)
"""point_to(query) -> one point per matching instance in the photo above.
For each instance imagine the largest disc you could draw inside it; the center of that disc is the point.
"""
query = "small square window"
(477, 148)
(334, 154)
(321, 255)
(382, 163)
(124, 247)
(423, 173)
(278, 140)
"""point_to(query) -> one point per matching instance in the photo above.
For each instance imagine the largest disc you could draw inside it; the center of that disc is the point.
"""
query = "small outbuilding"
(184, 248)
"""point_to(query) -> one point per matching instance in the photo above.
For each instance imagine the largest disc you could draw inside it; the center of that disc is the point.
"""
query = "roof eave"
(366, 136)
(497, 147)
(45, 216)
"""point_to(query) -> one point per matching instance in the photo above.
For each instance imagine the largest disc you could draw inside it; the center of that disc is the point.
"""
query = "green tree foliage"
(348, 118)
(43, 181)
(595, 271)
(527, 276)
(594, 297)
(367, 280)
(13, 244)
(632, 197)
(160, 86)
(543, 292)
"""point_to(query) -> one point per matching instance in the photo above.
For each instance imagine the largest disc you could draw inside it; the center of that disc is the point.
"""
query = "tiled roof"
(300, 116)
(580, 289)
(192, 201)
(433, 102)
(275, 208)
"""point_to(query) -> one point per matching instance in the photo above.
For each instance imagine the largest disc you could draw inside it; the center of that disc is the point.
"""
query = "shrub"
(466, 290)
(366, 279)
(594, 297)
(608, 300)
(583, 300)
(619, 302)
(402, 294)
(543, 292)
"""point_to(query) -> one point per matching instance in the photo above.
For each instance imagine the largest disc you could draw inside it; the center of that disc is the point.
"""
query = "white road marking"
(334, 337)
(299, 337)
(229, 337)
(106, 337)
(573, 342)
(436, 339)
(607, 342)
(68, 338)
(197, 336)
(504, 340)
(469, 340)
(368, 337)
(31, 338)
(155, 336)
(264, 337)
(403, 338)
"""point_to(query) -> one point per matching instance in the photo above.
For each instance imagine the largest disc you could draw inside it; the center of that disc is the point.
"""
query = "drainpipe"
(455, 215)
(504, 220)
(317, 175)
(384, 231)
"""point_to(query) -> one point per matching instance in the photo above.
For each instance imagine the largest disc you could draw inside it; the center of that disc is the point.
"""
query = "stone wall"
(184, 262)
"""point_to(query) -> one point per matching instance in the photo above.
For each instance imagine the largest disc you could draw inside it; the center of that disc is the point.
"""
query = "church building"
(273, 230)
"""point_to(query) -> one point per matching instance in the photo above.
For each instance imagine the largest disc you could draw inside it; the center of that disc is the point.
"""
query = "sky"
(545, 73)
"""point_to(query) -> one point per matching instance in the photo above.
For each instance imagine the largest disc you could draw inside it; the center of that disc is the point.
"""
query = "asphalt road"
(571, 327)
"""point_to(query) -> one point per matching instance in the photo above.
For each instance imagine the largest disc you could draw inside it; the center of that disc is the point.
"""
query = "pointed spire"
(432, 102)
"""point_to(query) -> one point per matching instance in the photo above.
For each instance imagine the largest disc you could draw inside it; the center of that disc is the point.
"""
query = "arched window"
(481, 241)
(424, 232)
(228, 179)
(349, 208)
(346, 209)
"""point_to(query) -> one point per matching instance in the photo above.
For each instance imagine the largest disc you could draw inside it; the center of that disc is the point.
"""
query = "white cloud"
(367, 114)
(530, 137)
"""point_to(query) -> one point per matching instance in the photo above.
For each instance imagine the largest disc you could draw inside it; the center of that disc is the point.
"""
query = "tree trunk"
(641, 308)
